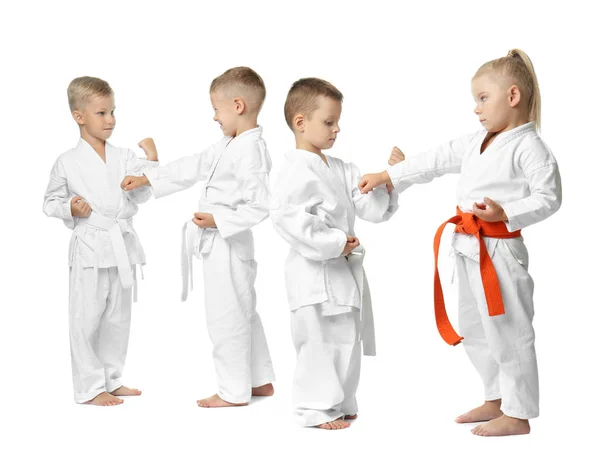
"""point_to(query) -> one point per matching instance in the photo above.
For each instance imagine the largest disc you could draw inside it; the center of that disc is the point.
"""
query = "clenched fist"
(147, 144)
(80, 208)
(396, 156)
(130, 183)
(351, 243)
(372, 180)
(204, 220)
(489, 210)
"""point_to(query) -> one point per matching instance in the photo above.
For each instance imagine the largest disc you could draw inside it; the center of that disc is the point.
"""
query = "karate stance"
(235, 197)
(314, 205)
(84, 191)
(509, 179)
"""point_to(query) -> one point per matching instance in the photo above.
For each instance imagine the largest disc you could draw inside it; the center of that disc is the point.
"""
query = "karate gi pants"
(327, 366)
(99, 321)
(501, 347)
(240, 352)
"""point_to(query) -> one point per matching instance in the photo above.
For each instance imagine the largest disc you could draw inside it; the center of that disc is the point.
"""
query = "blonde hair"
(244, 80)
(517, 66)
(303, 95)
(82, 89)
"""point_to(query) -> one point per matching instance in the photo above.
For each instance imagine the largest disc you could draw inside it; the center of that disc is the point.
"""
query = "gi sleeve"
(376, 206)
(541, 170)
(57, 200)
(297, 216)
(135, 166)
(252, 167)
(423, 168)
(179, 174)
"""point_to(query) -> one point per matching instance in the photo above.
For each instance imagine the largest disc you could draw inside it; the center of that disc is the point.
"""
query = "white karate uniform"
(103, 252)
(518, 171)
(314, 208)
(236, 193)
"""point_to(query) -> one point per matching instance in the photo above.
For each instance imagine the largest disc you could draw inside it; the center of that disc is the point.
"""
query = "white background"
(405, 73)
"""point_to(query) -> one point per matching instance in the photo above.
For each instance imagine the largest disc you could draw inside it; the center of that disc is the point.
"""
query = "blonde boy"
(234, 198)
(84, 192)
(314, 206)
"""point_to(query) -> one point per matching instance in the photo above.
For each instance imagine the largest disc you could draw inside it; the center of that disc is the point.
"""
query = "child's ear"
(240, 105)
(77, 116)
(299, 122)
(514, 95)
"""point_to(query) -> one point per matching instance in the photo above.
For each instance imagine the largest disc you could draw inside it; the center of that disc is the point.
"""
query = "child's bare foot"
(105, 399)
(487, 411)
(337, 424)
(503, 426)
(217, 401)
(126, 391)
(264, 390)
(350, 417)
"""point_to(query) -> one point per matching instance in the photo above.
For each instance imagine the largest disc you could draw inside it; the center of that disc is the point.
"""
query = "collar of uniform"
(85, 147)
(306, 156)
(252, 133)
(506, 137)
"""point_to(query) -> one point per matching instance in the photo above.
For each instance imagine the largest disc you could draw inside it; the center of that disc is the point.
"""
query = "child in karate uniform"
(84, 191)
(314, 206)
(509, 179)
(234, 198)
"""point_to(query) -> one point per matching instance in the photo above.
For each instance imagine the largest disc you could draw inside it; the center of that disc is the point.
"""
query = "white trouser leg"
(240, 350)
(113, 331)
(260, 358)
(510, 336)
(471, 328)
(328, 364)
(87, 302)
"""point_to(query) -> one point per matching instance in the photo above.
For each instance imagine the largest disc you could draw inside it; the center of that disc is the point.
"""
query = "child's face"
(492, 96)
(320, 131)
(225, 113)
(97, 117)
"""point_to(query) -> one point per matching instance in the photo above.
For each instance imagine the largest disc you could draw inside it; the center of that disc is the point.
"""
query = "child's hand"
(371, 180)
(489, 211)
(396, 156)
(130, 183)
(80, 208)
(204, 220)
(147, 144)
(351, 244)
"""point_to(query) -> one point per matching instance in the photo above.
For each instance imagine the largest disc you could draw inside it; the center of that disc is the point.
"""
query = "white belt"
(194, 241)
(116, 228)
(367, 325)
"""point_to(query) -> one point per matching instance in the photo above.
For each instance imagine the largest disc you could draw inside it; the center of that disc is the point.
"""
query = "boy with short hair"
(233, 200)
(84, 192)
(314, 205)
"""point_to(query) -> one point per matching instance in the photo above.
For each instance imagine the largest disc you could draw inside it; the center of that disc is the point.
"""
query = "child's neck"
(245, 125)
(305, 146)
(97, 144)
(517, 121)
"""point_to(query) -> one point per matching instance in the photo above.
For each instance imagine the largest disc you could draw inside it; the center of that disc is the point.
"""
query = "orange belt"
(467, 223)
